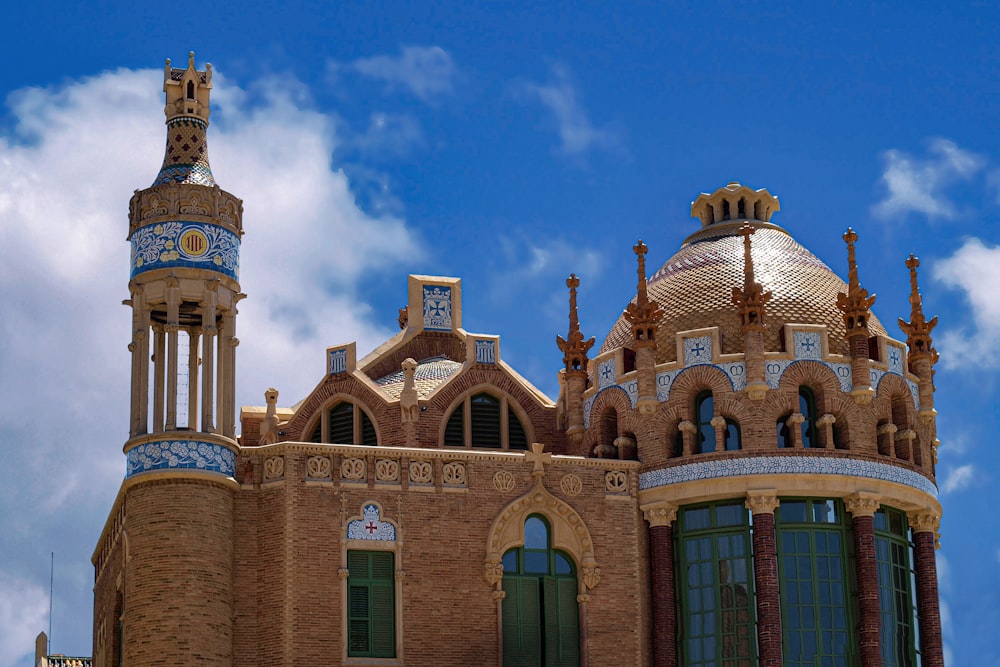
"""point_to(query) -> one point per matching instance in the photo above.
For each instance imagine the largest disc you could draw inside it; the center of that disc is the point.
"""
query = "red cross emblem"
(371, 527)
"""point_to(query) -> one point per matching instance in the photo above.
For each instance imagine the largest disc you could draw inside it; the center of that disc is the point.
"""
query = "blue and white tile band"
(190, 244)
(180, 455)
(780, 465)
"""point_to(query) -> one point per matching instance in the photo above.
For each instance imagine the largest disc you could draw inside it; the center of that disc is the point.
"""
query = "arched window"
(345, 424)
(190, 90)
(483, 420)
(540, 616)
(807, 407)
(704, 411)
(782, 432)
(734, 439)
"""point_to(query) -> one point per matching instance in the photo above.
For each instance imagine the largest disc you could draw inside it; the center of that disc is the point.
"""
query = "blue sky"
(505, 146)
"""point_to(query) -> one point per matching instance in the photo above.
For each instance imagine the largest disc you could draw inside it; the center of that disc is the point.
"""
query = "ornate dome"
(695, 286)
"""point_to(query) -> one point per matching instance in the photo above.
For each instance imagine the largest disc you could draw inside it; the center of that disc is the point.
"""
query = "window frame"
(322, 425)
(508, 408)
(889, 545)
(371, 583)
(702, 426)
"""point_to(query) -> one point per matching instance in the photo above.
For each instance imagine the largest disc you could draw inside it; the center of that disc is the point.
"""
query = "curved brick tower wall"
(179, 489)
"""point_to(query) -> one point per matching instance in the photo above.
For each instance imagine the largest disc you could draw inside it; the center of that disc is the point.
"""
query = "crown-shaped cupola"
(187, 110)
(734, 202)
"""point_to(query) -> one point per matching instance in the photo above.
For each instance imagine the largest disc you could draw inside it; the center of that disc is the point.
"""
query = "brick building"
(743, 474)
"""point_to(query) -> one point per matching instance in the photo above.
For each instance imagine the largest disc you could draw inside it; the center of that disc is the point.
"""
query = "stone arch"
(316, 418)
(507, 400)
(569, 533)
(694, 379)
(607, 400)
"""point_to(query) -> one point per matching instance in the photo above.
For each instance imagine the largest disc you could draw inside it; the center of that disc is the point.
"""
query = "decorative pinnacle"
(856, 303)
(751, 299)
(642, 314)
(918, 329)
(574, 348)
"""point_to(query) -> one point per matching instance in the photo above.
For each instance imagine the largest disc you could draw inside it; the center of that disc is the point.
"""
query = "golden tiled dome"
(695, 289)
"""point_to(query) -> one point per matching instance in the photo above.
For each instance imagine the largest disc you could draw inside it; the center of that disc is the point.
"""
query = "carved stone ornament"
(353, 469)
(591, 576)
(453, 473)
(862, 504)
(318, 467)
(616, 481)
(386, 470)
(583, 598)
(571, 485)
(343, 573)
(922, 522)
(492, 572)
(503, 481)
(762, 502)
(421, 472)
(687, 427)
(499, 595)
(274, 468)
(662, 514)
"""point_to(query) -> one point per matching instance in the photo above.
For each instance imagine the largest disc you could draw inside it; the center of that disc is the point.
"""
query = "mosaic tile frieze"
(188, 244)
(371, 527)
(807, 345)
(180, 455)
(779, 465)
(437, 307)
(697, 350)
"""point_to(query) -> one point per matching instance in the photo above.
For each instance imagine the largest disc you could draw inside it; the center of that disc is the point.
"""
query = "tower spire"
(644, 315)
(750, 302)
(574, 349)
(855, 305)
(185, 159)
(922, 355)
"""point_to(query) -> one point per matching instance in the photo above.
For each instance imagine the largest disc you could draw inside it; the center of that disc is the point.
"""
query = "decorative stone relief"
(616, 481)
(591, 576)
(661, 514)
(318, 467)
(386, 470)
(492, 572)
(180, 454)
(485, 352)
(421, 472)
(338, 361)
(762, 502)
(274, 468)
(453, 474)
(371, 527)
(503, 481)
(571, 485)
(353, 469)
(862, 504)
(924, 522)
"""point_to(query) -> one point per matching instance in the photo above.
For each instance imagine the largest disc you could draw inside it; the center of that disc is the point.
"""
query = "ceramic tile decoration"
(773, 370)
(338, 361)
(371, 527)
(807, 345)
(663, 383)
(485, 352)
(437, 307)
(895, 354)
(606, 373)
(180, 454)
(697, 350)
(843, 373)
(191, 244)
(778, 465)
(736, 371)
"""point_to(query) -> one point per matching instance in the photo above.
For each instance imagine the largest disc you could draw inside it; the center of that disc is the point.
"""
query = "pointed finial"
(643, 314)
(918, 329)
(751, 299)
(191, 59)
(856, 303)
(574, 348)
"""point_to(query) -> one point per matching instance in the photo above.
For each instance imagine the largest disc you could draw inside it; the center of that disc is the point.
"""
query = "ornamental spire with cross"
(574, 347)
(856, 302)
(539, 458)
(643, 314)
(751, 299)
(918, 329)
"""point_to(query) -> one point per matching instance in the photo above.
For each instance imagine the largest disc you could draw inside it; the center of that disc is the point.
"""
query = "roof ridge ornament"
(918, 329)
(643, 314)
(855, 304)
(750, 301)
(574, 347)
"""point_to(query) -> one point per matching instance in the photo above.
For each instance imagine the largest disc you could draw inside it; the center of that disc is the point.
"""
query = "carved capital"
(499, 595)
(887, 429)
(757, 390)
(924, 521)
(826, 420)
(863, 395)
(862, 504)
(764, 501)
(583, 598)
(343, 573)
(687, 427)
(796, 418)
(906, 434)
(660, 514)
(718, 421)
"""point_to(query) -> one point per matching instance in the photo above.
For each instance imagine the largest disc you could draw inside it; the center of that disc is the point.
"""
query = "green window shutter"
(562, 637)
(371, 604)
(454, 432)
(515, 432)
(342, 424)
(522, 631)
(368, 436)
(485, 421)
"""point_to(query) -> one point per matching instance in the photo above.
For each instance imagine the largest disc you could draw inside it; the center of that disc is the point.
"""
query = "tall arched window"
(484, 420)
(807, 407)
(704, 411)
(345, 424)
(540, 616)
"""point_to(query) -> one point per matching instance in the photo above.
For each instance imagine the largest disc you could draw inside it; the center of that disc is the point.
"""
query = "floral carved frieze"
(453, 474)
(274, 468)
(353, 470)
(180, 454)
(421, 472)
(318, 467)
(386, 470)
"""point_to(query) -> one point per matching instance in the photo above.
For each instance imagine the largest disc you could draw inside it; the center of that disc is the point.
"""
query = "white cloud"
(577, 134)
(957, 479)
(975, 270)
(388, 136)
(426, 71)
(67, 170)
(918, 185)
(24, 608)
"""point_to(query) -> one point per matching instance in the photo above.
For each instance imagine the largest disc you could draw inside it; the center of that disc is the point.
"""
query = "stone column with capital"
(661, 517)
(765, 565)
(924, 526)
(862, 507)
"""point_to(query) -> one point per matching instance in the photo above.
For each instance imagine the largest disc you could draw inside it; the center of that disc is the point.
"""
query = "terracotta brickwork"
(765, 565)
(928, 611)
(866, 570)
(664, 636)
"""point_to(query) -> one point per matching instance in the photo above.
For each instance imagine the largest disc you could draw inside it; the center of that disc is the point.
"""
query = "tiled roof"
(695, 289)
(430, 374)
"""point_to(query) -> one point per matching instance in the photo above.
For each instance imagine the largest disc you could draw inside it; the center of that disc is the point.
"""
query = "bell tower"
(184, 285)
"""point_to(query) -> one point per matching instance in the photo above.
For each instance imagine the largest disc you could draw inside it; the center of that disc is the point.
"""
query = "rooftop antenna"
(52, 568)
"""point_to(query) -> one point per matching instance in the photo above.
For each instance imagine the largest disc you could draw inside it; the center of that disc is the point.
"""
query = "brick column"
(925, 525)
(765, 565)
(862, 507)
(661, 516)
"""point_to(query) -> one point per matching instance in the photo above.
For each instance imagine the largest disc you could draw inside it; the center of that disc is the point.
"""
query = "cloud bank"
(918, 185)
